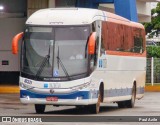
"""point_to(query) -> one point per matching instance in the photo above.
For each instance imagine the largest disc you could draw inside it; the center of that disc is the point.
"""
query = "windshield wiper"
(63, 67)
(45, 60)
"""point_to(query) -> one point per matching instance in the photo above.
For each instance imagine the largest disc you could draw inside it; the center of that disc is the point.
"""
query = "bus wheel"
(39, 108)
(130, 103)
(80, 106)
(96, 107)
(121, 104)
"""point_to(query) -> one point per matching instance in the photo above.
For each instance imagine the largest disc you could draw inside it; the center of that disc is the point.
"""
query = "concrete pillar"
(87, 4)
(51, 3)
(126, 9)
(144, 11)
(152, 70)
(34, 5)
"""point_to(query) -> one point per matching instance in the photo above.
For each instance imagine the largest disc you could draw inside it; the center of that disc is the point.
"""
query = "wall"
(14, 6)
(143, 9)
(8, 28)
(51, 4)
(34, 5)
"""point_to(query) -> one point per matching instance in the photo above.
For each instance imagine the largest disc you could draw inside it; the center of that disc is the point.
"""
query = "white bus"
(81, 57)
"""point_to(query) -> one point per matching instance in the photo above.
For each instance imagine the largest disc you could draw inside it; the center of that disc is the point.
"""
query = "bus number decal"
(27, 81)
(102, 63)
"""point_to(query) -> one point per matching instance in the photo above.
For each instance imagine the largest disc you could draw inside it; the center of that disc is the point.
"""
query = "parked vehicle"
(81, 57)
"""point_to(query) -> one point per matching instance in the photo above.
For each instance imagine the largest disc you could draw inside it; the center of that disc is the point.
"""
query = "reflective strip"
(122, 92)
(84, 94)
(140, 90)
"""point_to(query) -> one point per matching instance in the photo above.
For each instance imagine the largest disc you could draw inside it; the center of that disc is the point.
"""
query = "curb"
(152, 88)
(16, 90)
(9, 89)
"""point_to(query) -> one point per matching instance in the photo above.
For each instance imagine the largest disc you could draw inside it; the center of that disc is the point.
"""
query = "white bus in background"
(153, 42)
(81, 57)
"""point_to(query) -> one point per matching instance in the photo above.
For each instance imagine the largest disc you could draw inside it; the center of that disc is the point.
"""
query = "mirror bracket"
(15, 41)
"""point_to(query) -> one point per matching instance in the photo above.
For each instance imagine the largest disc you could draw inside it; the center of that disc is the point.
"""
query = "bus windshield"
(55, 52)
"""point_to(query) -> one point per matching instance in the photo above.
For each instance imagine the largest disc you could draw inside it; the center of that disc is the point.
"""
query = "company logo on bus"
(51, 91)
(27, 81)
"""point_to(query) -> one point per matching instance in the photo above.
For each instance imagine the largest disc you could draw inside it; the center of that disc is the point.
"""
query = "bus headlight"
(26, 97)
(79, 98)
(24, 86)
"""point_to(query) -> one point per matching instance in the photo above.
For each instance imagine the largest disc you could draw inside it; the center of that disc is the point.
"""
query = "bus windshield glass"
(55, 52)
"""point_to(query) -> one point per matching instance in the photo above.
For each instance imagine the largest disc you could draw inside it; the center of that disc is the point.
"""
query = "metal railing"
(153, 70)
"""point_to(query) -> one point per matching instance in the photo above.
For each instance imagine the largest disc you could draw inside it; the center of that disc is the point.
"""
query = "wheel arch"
(135, 85)
(101, 89)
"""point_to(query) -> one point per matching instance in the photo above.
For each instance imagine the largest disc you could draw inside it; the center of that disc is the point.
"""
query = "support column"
(34, 5)
(51, 3)
(91, 3)
(87, 3)
(152, 70)
(126, 9)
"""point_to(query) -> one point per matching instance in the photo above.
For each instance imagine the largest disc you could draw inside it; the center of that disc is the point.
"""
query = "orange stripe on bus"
(120, 53)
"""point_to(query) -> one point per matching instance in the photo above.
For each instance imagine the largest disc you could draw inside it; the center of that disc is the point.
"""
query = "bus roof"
(74, 16)
(65, 16)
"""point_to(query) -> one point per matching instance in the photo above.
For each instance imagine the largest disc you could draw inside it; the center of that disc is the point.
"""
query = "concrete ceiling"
(149, 0)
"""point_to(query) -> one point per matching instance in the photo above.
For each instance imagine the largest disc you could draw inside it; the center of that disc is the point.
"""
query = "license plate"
(54, 99)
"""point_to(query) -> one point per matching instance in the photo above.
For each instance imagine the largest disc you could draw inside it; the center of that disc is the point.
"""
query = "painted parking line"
(15, 89)
(9, 89)
(152, 88)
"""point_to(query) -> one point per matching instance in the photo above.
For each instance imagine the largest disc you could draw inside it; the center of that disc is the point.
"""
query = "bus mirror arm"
(15, 41)
(92, 44)
(86, 47)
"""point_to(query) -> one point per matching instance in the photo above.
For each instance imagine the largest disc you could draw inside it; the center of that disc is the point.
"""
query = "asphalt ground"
(148, 106)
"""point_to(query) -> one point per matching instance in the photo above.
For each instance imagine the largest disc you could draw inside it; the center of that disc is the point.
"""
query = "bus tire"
(121, 104)
(95, 108)
(40, 108)
(130, 103)
(79, 106)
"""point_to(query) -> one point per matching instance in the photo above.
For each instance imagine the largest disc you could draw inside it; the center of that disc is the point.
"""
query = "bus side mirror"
(15, 42)
(92, 43)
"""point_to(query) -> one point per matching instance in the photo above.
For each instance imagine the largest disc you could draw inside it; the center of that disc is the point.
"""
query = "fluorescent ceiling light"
(1, 7)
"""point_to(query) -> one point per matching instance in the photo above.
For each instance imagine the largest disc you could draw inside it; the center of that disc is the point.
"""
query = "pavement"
(15, 89)
(147, 107)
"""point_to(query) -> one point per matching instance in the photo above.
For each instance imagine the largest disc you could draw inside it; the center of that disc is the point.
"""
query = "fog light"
(79, 98)
(1, 7)
(26, 97)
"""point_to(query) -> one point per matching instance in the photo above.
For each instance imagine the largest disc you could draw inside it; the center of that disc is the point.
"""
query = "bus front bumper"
(71, 99)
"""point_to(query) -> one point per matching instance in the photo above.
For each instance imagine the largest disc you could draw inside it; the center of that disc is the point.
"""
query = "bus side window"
(93, 27)
(102, 52)
(138, 44)
(94, 57)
